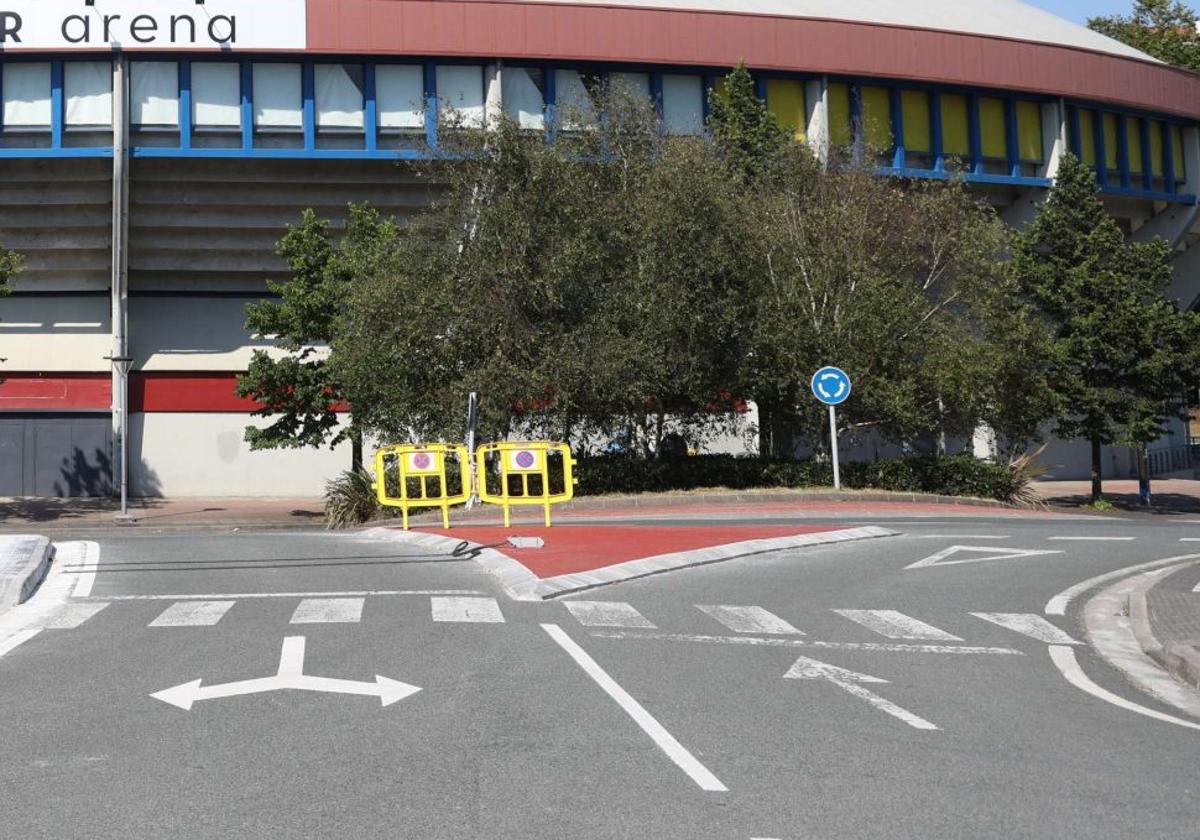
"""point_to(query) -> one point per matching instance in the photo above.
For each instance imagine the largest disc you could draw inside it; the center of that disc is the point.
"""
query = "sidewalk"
(46, 515)
(1170, 496)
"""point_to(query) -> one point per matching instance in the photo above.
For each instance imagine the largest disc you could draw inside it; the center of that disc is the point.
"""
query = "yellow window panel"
(1133, 141)
(877, 117)
(1180, 160)
(956, 138)
(1087, 136)
(1157, 159)
(916, 121)
(839, 116)
(1110, 141)
(993, 128)
(1029, 131)
(785, 99)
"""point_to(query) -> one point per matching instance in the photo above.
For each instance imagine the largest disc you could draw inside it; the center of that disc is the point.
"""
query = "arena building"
(152, 151)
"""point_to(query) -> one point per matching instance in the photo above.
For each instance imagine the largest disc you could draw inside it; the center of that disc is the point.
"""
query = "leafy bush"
(350, 499)
(957, 475)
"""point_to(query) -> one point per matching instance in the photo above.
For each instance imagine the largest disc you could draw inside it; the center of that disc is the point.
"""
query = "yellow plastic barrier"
(422, 464)
(524, 466)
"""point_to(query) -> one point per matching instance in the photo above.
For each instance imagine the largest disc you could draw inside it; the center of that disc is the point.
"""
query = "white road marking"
(897, 625)
(192, 614)
(1190, 539)
(328, 611)
(607, 614)
(355, 593)
(851, 682)
(86, 555)
(290, 676)
(960, 537)
(17, 639)
(470, 610)
(73, 615)
(942, 558)
(1068, 665)
(874, 647)
(1090, 539)
(749, 620)
(679, 754)
(1030, 624)
(1058, 604)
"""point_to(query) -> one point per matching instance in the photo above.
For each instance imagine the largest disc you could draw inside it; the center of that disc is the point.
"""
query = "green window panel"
(917, 127)
(877, 117)
(1110, 142)
(785, 99)
(1133, 141)
(1158, 164)
(839, 116)
(1087, 136)
(1029, 132)
(956, 137)
(993, 128)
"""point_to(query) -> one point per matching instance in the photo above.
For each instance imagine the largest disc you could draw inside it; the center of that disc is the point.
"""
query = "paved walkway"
(43, 515)
(1170, 496)
(1173, 611)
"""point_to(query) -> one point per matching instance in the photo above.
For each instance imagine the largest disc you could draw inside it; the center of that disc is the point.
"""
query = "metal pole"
(120, 275)
(472, 424)
(833, 448)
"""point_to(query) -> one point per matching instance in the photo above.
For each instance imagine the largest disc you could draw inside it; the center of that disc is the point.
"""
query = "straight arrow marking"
(942, 557)
(290, 676)
(851, 683)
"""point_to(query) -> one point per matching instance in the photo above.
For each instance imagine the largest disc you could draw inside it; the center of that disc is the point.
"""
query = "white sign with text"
(153, 25)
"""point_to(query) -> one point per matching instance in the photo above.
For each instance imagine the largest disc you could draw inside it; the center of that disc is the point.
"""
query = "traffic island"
(576, 558)
(24, 561)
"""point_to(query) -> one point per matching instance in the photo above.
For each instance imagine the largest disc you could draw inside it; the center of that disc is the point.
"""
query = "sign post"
(832, 387)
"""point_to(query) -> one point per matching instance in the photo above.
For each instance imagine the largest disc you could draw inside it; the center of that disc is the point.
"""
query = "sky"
(1081, 10)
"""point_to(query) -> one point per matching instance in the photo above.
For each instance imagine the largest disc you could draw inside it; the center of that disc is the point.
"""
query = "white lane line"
(960, 537)
(354, 593)
(1030, 624)
(749, 620)
(873, 647)
(469, 610)
(17, 639)
(74, 614)
(884, 705)
(607, 614)
(192, 614)
(897, 625)
(1068, 665)
(1190, 539)
(328, 611)
(679, 754)
(86, 554)
(1058, 604)
(1090, 539)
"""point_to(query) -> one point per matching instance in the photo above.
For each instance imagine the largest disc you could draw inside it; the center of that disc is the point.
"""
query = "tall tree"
(1123, 355)
(294, 383)
(1165, 29)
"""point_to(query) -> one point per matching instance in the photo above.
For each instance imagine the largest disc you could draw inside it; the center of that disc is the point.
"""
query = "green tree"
(295, 384)
(1165, 29)
(744, 129)
(1122, 352)
(10, 265)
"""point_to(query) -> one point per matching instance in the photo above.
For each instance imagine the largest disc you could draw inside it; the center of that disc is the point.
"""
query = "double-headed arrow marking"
(290, 676)
(851, 682)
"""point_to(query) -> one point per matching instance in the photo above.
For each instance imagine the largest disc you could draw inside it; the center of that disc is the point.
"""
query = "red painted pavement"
(571, 549)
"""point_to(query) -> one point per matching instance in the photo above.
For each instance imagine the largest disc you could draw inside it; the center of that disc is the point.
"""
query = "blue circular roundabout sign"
(831, 386)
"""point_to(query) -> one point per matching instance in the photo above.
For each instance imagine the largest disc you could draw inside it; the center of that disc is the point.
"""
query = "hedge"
(955, 475)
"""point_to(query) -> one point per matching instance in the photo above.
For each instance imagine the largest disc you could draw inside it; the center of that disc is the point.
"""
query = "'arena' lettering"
(144, 29)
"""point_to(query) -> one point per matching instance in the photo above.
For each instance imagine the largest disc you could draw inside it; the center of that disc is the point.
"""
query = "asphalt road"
(641, 717)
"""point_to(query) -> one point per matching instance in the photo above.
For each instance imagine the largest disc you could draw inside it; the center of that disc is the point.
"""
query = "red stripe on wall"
(495, 28)
(59, 392)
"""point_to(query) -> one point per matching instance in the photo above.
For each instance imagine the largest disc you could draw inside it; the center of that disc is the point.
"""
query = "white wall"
(205, 455)
(55, 333)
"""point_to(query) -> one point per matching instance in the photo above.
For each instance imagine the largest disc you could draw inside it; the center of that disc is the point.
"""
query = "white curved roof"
(1000, 18)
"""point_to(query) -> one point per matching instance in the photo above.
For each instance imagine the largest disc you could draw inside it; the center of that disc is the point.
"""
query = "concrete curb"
(1180, 660)
(24, 561)
(522, 585)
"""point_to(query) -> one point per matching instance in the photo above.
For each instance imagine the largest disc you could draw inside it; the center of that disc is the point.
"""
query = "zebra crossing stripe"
(749, 620)
(328, 611)
(897, 625)
(1031, 625)
(192, 614)
(608, 614)
(75, 614)
(467, 610)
